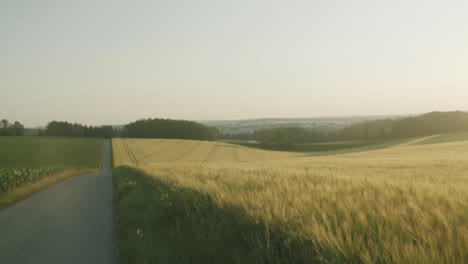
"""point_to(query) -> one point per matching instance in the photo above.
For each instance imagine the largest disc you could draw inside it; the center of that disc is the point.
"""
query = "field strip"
(413, 142)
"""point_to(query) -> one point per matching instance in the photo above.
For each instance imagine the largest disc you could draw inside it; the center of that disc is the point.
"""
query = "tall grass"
(160, 222)
(401, 205)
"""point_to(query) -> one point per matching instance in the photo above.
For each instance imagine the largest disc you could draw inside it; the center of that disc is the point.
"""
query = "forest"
(168, 128)
(66, 129)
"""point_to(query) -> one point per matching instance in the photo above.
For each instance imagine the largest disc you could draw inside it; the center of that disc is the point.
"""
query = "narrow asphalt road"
(71, 222)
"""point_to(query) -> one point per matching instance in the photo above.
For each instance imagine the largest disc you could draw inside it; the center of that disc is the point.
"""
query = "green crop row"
(26, 160)
(13, 178)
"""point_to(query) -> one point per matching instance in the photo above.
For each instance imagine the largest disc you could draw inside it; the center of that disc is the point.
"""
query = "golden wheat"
(407, 204)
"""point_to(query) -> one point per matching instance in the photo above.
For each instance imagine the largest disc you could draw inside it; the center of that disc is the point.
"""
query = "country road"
(71, 222)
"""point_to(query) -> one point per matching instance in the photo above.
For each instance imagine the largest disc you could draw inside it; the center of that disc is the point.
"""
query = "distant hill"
(319, 123)
(371, 130)
(431, 123)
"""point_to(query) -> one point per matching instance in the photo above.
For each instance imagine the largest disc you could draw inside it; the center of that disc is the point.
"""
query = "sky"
(113, 62)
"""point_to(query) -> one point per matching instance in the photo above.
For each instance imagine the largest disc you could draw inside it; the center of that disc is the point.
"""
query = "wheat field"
(405, 204)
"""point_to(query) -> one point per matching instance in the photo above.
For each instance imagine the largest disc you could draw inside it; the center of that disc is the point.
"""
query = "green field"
(331, 148)
(180, 201)
(312, 147)
(26, 160)
(444, 138)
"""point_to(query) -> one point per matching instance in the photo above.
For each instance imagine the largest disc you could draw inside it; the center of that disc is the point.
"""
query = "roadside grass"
(161, 222)
(27, 190)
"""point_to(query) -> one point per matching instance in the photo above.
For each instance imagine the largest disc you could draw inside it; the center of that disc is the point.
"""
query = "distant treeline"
(11, 129)
(432, 123)
(145, 128)
(286, 137)
(423, 125)
(427, 124)
(167, 128)
(66, 129)
(280, 138)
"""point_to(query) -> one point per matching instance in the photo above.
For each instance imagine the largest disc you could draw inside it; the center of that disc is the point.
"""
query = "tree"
(18, 129)
(5, 123)
(8, 129)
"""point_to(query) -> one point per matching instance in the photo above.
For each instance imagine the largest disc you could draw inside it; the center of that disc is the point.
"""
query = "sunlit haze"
(112, 62)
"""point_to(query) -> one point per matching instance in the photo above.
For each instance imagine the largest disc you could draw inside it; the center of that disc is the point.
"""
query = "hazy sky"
(111, 62)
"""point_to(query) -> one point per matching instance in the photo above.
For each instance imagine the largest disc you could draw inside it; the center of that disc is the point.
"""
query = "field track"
(416, 141)
(211, 154)
(71, 222)
(235, 154)
(129, 152)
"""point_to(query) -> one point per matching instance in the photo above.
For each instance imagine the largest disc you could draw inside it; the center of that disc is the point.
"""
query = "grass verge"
(159, 222)
(27, 190)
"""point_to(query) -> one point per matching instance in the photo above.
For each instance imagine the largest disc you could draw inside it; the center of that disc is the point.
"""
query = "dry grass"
(27, 190)
(407, 204)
